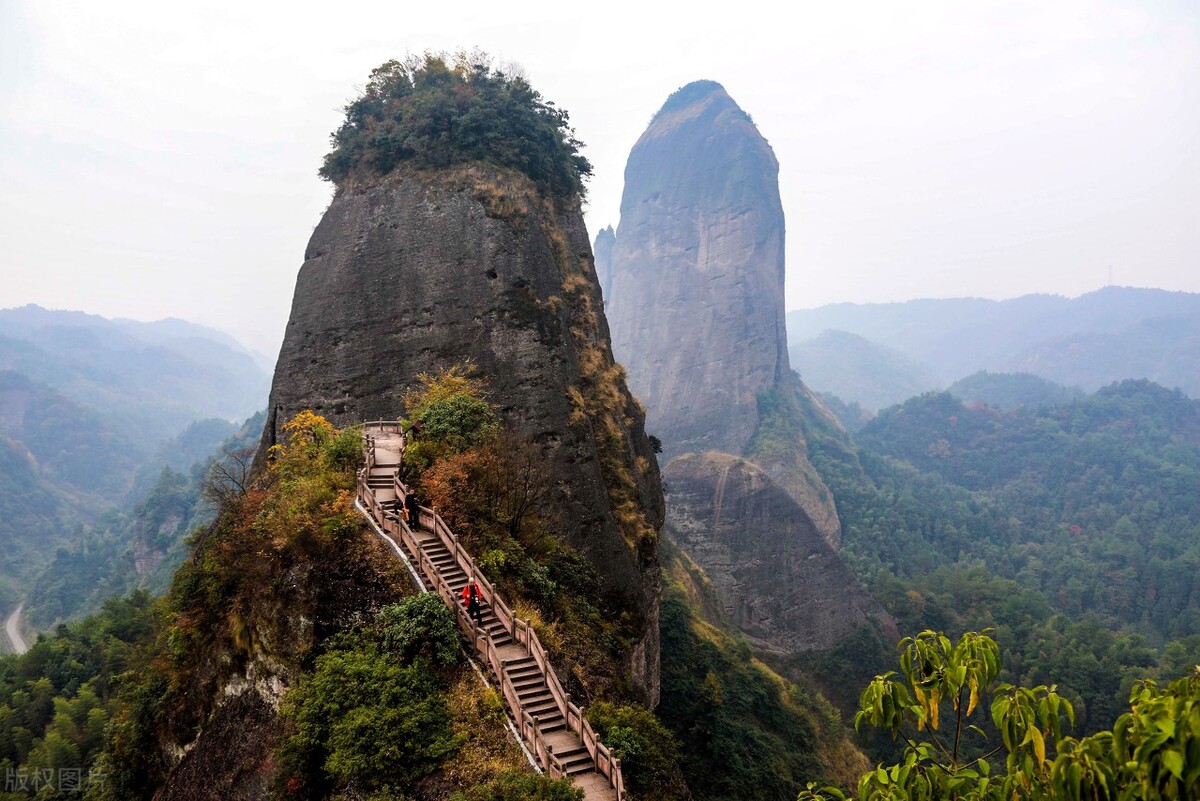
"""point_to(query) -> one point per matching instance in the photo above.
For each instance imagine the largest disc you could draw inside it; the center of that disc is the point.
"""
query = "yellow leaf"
(1039, 745)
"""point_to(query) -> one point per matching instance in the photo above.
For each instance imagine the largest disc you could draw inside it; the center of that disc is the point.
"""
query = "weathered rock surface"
(780, 581)
(696, 306)
(603, 248)
(696, 303)
(421, 270)
(697, 314)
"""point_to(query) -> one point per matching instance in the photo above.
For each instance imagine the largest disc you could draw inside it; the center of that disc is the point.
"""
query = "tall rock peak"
(603, 247)
(696, 305)
(697, 315)
(421, 269)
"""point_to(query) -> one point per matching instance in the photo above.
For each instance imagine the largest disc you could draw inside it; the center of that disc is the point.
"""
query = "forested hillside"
(141, 545)
(1011, 390)
(1074, 530)
(61, 466)
(91, 412)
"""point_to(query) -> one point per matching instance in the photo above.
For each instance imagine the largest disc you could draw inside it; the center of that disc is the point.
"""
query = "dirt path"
(12, 628)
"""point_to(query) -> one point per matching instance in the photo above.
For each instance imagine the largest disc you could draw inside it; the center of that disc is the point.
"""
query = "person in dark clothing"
(414, 510)
(472, 598)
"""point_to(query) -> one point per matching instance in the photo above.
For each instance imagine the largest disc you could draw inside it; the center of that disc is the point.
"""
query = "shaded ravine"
(12, 629)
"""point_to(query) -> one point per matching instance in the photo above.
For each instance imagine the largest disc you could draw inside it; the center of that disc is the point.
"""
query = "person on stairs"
(413, 507)
(471, 599)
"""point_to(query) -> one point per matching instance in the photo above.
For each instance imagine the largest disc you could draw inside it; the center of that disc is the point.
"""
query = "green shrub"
(430, 113)
(361, 719)
(421, 626)
(521, 787)
(460, 420)
(648, 752)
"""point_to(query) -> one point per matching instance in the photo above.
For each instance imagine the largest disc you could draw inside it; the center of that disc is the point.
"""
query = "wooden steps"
(562, 744)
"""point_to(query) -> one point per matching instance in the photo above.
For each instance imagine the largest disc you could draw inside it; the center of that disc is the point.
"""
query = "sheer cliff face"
(696, 305)
(696, 300)
(425, 269)
(780, 582)
(697, 315)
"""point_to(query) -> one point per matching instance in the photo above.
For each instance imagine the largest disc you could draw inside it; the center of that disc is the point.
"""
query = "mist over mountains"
(92, 411)
(151, 379)
(1088, 342)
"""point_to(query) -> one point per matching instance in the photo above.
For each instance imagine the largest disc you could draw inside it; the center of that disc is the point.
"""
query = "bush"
(421, 626)
(361, 719)
(647, 750)
(427, 112)
(522, 787)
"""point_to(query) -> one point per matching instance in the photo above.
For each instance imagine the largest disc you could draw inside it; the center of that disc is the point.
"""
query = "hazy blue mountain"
(1012, 390)
(1089, 341)
(150, 379)
(71, 444)
(1165, 350)
(92, 412)
(140, 543)
(858, 370)
(61, 465)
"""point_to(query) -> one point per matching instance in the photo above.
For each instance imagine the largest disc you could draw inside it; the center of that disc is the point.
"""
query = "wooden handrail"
(481, 642)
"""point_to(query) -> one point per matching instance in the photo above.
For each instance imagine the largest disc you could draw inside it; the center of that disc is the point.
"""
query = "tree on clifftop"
(437, 111)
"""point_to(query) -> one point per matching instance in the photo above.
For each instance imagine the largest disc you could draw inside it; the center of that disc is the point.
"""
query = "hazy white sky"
(159, 159)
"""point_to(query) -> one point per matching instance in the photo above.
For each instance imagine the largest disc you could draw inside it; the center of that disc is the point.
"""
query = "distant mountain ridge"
(151, 379)
(854, 368)
(1109, 335)
(85, 403)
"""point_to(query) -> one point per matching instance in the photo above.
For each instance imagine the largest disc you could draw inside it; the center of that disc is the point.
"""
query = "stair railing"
(520, 630)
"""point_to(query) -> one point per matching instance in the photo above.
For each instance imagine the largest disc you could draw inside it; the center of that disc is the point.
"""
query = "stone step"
(526, 669)
(543, 704)
(579, 762)
(527, 680)
(547, 725)
(533, 698)
(577, 768)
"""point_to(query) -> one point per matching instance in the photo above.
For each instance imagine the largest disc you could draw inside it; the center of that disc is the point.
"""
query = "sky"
(160, 159)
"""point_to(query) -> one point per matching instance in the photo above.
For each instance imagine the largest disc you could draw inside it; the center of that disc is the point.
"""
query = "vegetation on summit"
(436, 111)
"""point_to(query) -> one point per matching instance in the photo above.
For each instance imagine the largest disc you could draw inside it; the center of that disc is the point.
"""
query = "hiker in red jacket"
(471, 599)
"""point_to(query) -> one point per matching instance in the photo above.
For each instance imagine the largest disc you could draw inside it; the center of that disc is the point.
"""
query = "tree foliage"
(59, 699)
(421, 626)
(1071, 530)
(514, 786)
(436, 111)
(1153, 751)
(367, 721)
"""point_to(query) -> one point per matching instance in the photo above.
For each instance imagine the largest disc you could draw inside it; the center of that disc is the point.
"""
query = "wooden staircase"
(553, 729)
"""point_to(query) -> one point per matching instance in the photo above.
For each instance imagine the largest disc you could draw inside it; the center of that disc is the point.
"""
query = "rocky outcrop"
(696, 306)
(603, 248)
(779, 580)
(421, 270)
(697, 314)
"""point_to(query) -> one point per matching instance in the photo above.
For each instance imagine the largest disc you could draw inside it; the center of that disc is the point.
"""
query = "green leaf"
(1173, 761)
